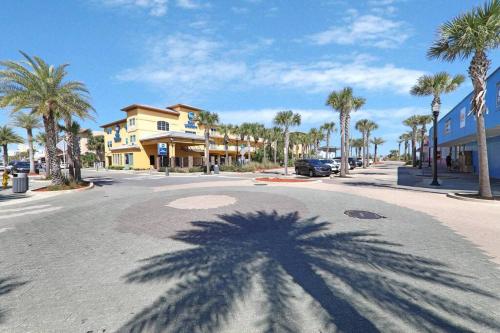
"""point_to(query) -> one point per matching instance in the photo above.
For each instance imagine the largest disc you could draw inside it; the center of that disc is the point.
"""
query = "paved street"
(149, 253)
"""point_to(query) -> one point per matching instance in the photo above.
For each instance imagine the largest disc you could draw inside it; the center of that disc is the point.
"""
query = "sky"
(244, 59)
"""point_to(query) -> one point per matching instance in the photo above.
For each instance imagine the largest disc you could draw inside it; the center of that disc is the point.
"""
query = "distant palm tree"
(29, 122)
(344, 102)
(207, 120)
(423, 121)
(275, 135)
(245, 130)
(72, 129)
(377, 142)
(436, 85)
(405, 137)
(225, 130)
(96, 143)
(285, 120)
(36, 85)
(316, 136)
(257, 131)
(413, 122)
(473, 34)
(7, 137)
(358, 145)
(366, 126)
(327, 129)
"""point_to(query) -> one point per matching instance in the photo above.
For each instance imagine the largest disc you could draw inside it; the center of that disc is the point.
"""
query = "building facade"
(149, 137)
(457, 132)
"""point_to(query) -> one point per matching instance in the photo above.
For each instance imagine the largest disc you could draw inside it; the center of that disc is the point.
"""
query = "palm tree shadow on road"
(7, 285)
(287, 252)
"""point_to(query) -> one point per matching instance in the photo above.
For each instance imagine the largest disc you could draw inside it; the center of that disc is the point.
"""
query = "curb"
(453, 195)
(90, 186)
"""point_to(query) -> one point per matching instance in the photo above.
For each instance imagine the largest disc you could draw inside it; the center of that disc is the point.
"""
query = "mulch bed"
(51, 188)
(282, 180)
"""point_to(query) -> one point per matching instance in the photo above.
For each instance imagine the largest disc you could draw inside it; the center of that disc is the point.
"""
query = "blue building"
(457, 132)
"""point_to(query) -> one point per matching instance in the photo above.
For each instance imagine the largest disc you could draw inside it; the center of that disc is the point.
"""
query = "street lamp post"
(435, 114)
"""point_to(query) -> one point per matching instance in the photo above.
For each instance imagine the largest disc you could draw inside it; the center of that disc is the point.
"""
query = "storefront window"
(162, 125)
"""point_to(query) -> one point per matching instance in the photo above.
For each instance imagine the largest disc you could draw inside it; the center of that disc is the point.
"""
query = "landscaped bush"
(115, 167)
(249, 167)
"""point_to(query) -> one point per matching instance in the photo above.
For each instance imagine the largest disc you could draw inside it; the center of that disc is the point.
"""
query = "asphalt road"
(137, 254)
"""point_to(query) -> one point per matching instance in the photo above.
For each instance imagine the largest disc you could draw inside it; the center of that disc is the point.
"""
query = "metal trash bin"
(216, 169)
(20, 183)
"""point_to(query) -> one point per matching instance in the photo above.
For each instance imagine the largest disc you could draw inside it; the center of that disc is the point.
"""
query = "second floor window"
(162, 125)
(110, 144)
(131, 122)
(109, 130)
(132, 139)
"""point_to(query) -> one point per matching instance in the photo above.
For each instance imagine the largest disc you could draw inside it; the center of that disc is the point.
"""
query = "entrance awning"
(173, 136)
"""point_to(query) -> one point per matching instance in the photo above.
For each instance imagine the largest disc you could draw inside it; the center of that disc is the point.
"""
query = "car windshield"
(22, 164)
(327, 161)
(315, 162)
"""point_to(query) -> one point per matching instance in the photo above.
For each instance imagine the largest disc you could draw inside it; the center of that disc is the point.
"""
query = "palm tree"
(72, 129)
(276, 135)
(473, 34)
(96, 143)
(7, 137)
(245, 130)
(413, 122)
(366, 126)
(315, 136)
(436, 85)
(371, 127)
(257, 131)
(35, 84)
(225, 130)
(344, 102)
(405, 137)
(377, 142)
(41, 139)
(207, 120)
(28, 121)
(327, 129)
(285, 120)
(423, 121)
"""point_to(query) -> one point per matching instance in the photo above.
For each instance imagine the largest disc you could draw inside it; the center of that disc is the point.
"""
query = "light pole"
(435, 114)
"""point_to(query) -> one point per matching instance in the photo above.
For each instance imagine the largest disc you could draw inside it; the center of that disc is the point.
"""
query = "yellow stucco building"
(134, 142)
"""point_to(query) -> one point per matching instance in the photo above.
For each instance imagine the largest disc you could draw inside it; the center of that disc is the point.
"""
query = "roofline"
(184, 106)
(467, 96)
(150, 108)
(124, 120)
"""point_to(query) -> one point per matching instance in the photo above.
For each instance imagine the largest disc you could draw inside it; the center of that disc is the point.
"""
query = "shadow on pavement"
(7, 285)
(11, 196)
(286, 254)
(101, 181)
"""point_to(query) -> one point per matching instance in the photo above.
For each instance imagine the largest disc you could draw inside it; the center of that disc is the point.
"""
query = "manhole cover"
(363, 214)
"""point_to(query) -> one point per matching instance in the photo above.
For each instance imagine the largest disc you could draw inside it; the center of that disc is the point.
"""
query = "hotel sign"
(162, 149)
(191, 122)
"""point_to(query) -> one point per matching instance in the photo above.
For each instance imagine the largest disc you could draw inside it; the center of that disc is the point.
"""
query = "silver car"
(334, 165)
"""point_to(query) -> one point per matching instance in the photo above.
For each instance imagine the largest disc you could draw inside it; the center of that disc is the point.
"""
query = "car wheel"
(311, 173)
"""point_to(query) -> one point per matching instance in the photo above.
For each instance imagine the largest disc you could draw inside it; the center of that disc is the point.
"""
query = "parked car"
(359, 162)
(19, 167)
(334, 165)
(312, 167)
(352, 162)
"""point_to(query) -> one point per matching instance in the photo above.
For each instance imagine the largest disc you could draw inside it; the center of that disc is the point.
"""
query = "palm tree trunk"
(364, 150)
(5, 156)
(478, 70)
(328, 145)
(76, 158)
(226, 148)
(346, 141)
(237, 150)
(422, 133)
(50, 130)
(414, 147)
(248, 147)
(375, 155)
(275, 151)
(342, 145)
(30, 149)
(69, 148)
(287, 139)
(207, 154)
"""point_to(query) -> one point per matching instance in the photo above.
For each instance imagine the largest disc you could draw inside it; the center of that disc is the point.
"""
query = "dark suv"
(312, 167)
(19, 167)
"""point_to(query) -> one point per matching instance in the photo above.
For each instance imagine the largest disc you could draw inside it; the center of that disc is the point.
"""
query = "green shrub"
(115, 167)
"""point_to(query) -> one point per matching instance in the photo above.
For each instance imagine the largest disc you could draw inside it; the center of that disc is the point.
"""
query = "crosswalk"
(10, 213)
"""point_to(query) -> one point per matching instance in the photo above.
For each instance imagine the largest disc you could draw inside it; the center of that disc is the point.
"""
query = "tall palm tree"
(29, 122)
(436, 85)
(7, 137)
(344, 102)
(207, 120)
(315, 136)
(376, 142)
(423, 121)
(413, 122)
(370, 128)
(33, 84)
(405, 137)
(225, 130)
(285, 120)
(257, 131)
(473, 34)
(327, 129)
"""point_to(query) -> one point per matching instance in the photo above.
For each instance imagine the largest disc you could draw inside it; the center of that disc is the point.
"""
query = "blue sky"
(244, 59)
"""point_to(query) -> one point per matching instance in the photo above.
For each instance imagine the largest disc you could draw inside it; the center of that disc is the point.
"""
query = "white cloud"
(366, 30)
(188, 63)
(239, 10)
(154, 7)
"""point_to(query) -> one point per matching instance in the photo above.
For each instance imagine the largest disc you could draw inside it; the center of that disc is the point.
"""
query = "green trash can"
(20, 183)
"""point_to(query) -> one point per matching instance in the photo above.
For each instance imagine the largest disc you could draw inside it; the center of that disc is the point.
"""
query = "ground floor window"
(117, 159)
(129, 159)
